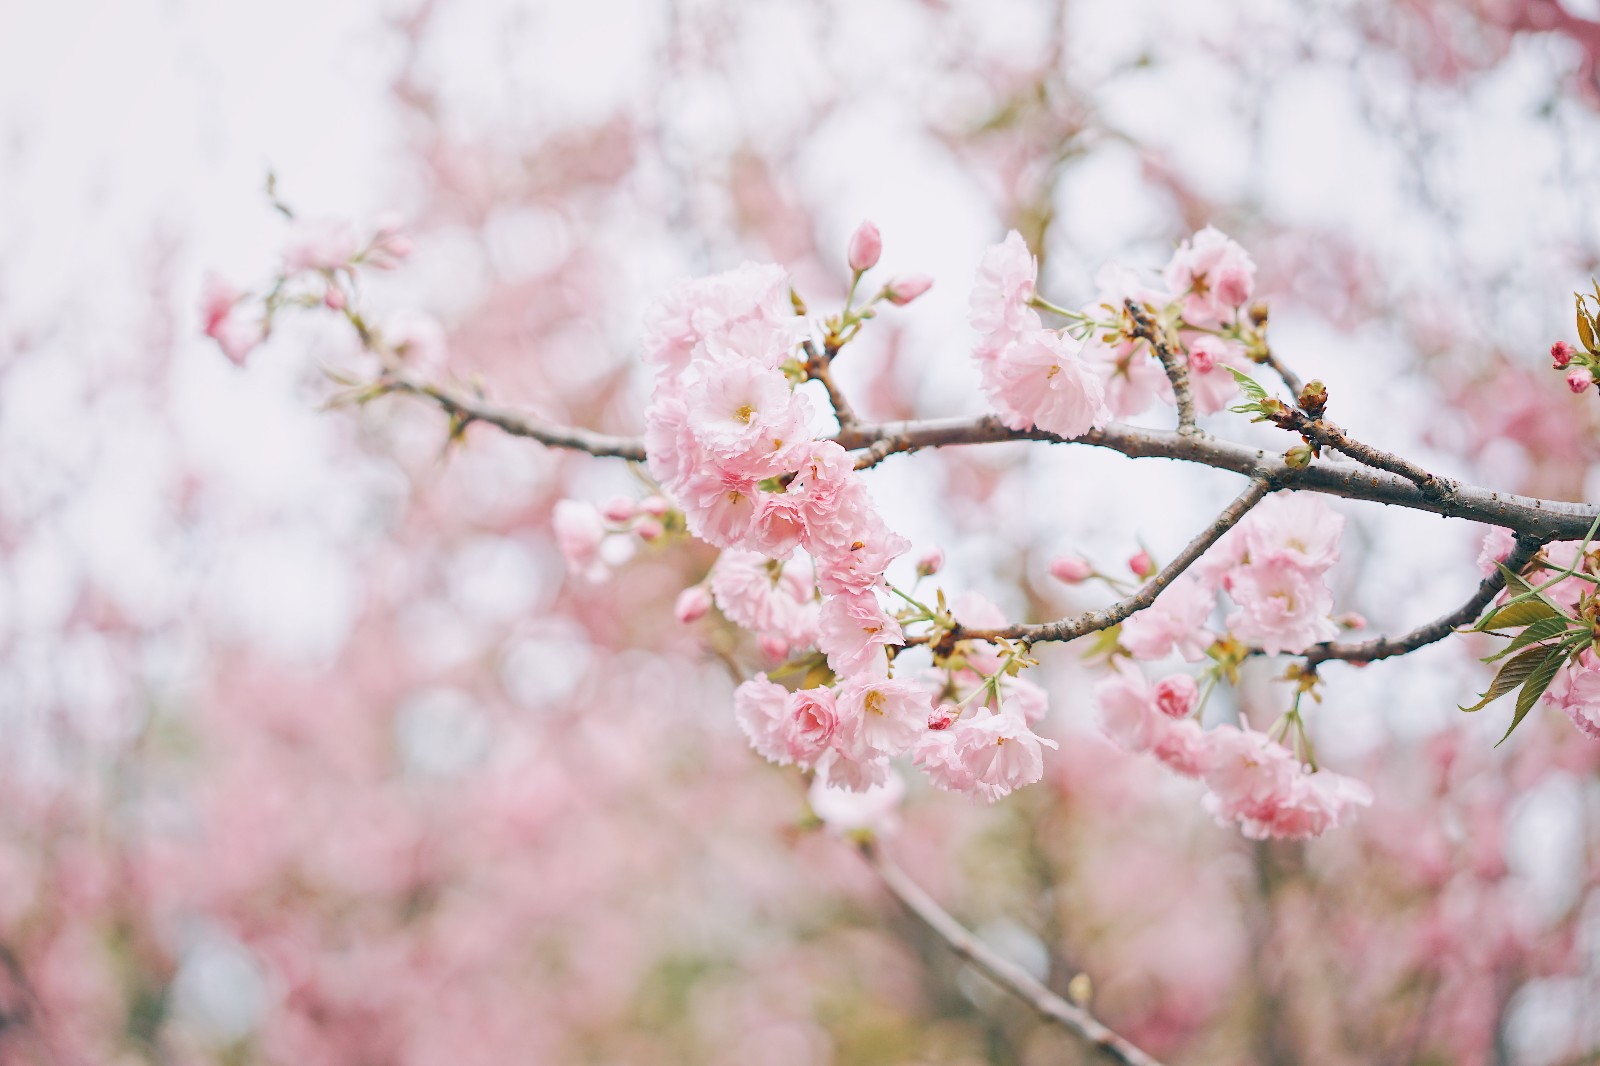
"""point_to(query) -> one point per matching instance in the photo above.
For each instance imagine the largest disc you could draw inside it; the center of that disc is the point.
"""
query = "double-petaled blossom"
(787, 727)
(988, 756)
(1212, 276)
(1258, 783)
(1175, 622)
(1497, 544)
(1138, 718)
(579, 531)
(771, 598)
(853, 631)
(842, 810)
(219, 311)
(1002, 295)
(1210, 358)
(1576, 690)
(1134, 378)
(1041, 379)
(880, 717)
(1282, 608)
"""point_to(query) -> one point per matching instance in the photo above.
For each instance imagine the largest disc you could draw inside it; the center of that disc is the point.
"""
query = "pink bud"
(619, 509)
(1202, 360)
(1351, 620)
(334, 298)
(931, 563)
(648, 530)
(693, 603)
(655, 506)
(1141, 564)
(902, 291)
(1070, 569)
(1177, 696)
(865, 248)
(1580, 379)
(1562, 353)
(774, 646)
(946, 714)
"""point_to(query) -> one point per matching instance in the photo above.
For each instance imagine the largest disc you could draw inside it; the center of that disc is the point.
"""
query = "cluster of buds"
(863, 253)
(581, 529)
(1581, 366)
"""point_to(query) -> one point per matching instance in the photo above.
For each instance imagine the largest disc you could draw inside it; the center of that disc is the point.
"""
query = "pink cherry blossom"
(813, 719)
(1213, 277)
(1181, 746)
(1576, 690)
(1210, 383)
(998, 753)
(844, 811)
(1070, 569)
(881, 717)
(1561, 354)
(1177, 696)
(761, 708)
(866, 245)
(1125, 710)
(902, 291)
(1579, 379)
(1002, 293)
(1497, 544)
(579, 531)
(853, 631)
(693, 604)
(1282, 608)
(219, 304)
(1294, 527)
(1248, 773)
(1040, 379)
(320, 245)
(1175, 622)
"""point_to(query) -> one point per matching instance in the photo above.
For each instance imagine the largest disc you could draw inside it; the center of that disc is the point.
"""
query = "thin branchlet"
(1075, 1019)
(1176, 367)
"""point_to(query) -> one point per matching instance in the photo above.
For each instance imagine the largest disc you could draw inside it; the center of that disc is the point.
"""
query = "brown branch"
(469, 408)
(1545, 519)
(1328, 435)
(1002, 971)
(1290, 379)
(1176, 367)
(818, 368)
(1368, 651)
(1106, 617)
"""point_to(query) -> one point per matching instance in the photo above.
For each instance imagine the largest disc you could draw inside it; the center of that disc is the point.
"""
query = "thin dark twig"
(818, 368)
(1003, 972)
(1175, 366)
(1386, 647)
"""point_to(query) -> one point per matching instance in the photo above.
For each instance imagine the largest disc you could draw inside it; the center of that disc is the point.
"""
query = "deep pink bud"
(1177, 695)
(1141, 564)
(775, 646)
(1351, 620)
(655, 506)
(619, 509)
(902, 291)
(1070, 569)
(693, 603)
(1202, 360)
(865, 248)
(648, 530)
(1580, 379)
(931, 562)
(941, 718)
(1562, 353)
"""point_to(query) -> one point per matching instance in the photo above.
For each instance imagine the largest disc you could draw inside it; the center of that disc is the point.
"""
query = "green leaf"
(1540, 631)
(1517, 615)
(1514, 581)
(1537, 682)
(1511, 674)
(1585, 330)
(1247, 384)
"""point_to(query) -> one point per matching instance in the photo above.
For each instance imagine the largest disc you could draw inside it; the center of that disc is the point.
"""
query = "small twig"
(1106, 617)
(818, 369)
(1328, 435)
(1175, 366)
(1003, 972)
(1368, 651)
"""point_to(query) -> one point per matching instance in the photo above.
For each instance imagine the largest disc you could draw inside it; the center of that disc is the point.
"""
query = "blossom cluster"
(1102, 365)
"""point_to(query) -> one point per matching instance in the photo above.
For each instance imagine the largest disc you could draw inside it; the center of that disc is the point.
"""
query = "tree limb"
(1176, 367)
(1003, 972)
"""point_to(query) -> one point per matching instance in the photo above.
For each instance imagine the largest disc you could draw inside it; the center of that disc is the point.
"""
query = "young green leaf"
(1537, 682)
(1517, 615)
(1247, 384)
(1542, 630)
(1513, 673)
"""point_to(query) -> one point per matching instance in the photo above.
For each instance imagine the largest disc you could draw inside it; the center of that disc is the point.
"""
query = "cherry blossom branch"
(1175, 366)
(1106, 617)
(1328, 435)
(1386, 647)
(1003, 972)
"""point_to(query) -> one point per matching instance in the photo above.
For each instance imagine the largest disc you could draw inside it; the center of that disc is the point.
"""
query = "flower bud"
(931, 563)
(1298, 457)
(693, 603)
(902, 291)
(1070, 569)
(1141, 564)
(655, 506)
(1580, 379)
(334, 298)
(619, 509)
(648, 530)
(1351, 620)
(865, 248)
(774, 646)
(1177, 696)
(1562, 352)
(943, 716)
(1202, 360)
(1313, 398)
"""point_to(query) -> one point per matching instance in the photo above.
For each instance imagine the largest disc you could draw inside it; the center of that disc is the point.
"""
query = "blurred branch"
(1436, 630)
(1003, 972)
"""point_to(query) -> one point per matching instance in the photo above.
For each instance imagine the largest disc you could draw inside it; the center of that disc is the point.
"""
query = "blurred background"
(311, 751)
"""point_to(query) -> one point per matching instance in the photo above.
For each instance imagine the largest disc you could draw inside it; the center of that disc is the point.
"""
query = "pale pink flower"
(1020, 696)
(1213, 277)
(974, 610)
(813, 721)
(579, 531)
(939, 756)
(1296, 528)
(1212, 387)
(881, 717)
(693, 604)
(1133, 378)
(1177, 696)
(1497, 544)
(1002, 293)
(779, 526)
(1282, 608)
(619, 509)
(416, 337)
(1175, 622)
(320, 245)
(1579, 378)
(1576, 690)
(1071, 569)
(761, 708)
(853, 631)
(719, 506)
(1249, 774)
(766, 596)
(219, 304)
(1125, 710)
(748, 418)
(1040, 379)
(853, 547)
(902, 291)
(709, 308)
(842, 770)
(843, 811)
(866, 246)
(999, 753)
(1181, 746)
(1314, 804)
